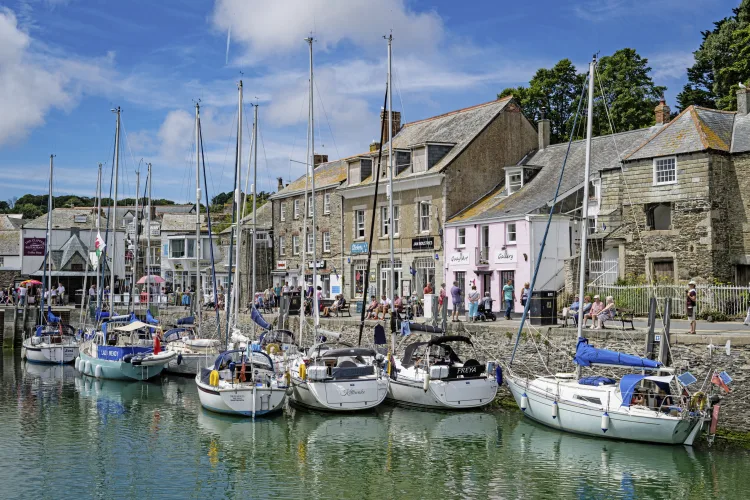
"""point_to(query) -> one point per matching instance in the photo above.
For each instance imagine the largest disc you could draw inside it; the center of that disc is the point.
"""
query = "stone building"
(264, 258)
(292, 209)
(442, 164)
(10, 249)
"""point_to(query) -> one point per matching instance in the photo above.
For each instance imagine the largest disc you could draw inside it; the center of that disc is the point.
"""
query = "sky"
(65, 64)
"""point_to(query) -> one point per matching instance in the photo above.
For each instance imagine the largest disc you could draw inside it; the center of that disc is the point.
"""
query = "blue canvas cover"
(51, 318)
(150, 319)
(100, 315)
(628, 383)
(596, 380)
(189, 320)
(587, 355)
(258, 318)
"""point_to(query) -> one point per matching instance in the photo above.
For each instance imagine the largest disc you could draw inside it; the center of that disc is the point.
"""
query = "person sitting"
(398, 305)
(334, 307)
(487, 302)
(572, 310)
(414, 305)
(372, 308)
(637, 399)
(593, 313)
(385, 306)
(606, 314)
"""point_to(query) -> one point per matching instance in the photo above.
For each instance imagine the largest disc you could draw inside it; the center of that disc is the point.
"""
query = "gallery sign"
(423, 243)
(359, 247)
(34, 247)
(459, 259)
(506, 256)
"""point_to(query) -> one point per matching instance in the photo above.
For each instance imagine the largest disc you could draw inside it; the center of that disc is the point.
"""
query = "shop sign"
(281, 265)
(506, 256)
(459, 259)
(34, 247)
(359, 247)
(423, 243)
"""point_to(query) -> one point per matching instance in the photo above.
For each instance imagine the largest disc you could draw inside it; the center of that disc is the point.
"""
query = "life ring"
(213, 378)
(272, 348)
(698, 400)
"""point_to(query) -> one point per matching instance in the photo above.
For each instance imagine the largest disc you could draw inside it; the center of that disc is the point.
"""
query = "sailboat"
(653, 408)
(241, 381)
(123, 348)
(51, 341)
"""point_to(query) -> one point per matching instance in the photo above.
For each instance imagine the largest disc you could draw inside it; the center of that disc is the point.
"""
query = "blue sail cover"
(587, 355)
(256, 316)
(188, 320)
(51, 318)
(150, 319)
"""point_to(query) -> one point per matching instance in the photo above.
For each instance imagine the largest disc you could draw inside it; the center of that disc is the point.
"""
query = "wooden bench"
(625, 316)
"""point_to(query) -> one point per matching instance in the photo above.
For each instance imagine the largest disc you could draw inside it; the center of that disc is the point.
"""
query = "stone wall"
(7, 277)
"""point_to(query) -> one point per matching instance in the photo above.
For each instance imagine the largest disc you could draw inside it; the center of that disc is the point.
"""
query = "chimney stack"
(396, 122)
(281, 184)
(374, 146)
(543, 127)
(743, 101)
(662, 112)
(319, 158)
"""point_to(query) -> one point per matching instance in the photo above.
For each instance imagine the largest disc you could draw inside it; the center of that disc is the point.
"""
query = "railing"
(603, 272)
(730, 301)
(482, 256)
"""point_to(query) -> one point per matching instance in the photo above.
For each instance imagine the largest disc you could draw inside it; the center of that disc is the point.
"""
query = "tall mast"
(135, 227)
(390, 190)
(585, 208)
(255, 203)
(114, 213)
(98, 227)
(48, 269)
(236, 290)
(148, 243)
(198, 288)
(316, 308)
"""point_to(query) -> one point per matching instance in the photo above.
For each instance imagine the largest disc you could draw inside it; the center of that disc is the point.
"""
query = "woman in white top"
(473, 302)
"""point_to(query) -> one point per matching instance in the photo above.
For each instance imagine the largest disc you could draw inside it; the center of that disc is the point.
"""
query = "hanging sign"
(359, 247)
(281, 265)
(34, 247)
(423, 243)
(459, 259)
(321, 264)
(506, 256)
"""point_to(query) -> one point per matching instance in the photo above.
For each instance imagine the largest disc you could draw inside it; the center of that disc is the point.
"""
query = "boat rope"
(210, 238)
(546, 229)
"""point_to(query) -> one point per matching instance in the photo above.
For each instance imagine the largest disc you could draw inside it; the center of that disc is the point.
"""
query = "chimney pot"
(396, 120)
(374, 146)
(662, 112)
(281, 183)
(743, 101)
(543, 127)
(319, 158)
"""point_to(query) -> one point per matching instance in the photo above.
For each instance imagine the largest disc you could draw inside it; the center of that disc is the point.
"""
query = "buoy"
(499, 375)
(75, 363)
(86, 365)
(179, 359)
(524, 402)
(303, 371)
(554, 409)
(426, 380)
(213, 378)
(605, 421)
(288, 377)
(98, 371)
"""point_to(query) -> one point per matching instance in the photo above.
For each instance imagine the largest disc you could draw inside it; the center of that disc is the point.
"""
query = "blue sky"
(65, 63)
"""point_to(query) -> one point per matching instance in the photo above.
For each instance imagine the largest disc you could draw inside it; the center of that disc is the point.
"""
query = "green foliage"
(721, 63)
(711, 315)
(32, 206)
(28, 210)
(629, 92)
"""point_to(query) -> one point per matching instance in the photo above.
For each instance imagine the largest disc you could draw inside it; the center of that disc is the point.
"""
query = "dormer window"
(513, 179)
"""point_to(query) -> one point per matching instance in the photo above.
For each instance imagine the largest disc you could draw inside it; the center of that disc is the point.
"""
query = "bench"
(625, 316)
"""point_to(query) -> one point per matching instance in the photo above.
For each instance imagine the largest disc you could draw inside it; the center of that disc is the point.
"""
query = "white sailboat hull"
(190, 364)
(50, 353)
(241, 399)
(624, 423)
(455, 394)
(340, 395)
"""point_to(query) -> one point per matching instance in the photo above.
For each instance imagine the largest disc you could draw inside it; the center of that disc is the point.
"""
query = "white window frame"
(282, 212)
(515, 186)
(2, 261)
(326, 241)
(591, 227)
(282, 245)
(296, 209)
(508, 233)
(326, 203)
(359, 226)
(295, 244)
(461, 237)
(396, 219)
(309, 206)
(656, 172)
(424, 219)
(310, 243)
(385, 225)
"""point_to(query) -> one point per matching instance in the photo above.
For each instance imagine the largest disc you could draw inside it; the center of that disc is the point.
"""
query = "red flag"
(716, 379)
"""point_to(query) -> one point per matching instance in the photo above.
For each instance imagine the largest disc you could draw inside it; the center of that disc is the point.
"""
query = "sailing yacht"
(639, 407)
(52, 342)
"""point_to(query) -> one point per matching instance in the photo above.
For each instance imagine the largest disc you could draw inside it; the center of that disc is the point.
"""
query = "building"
(442, 164)
(71, 247)
(292, 209)
(10, 249)
(178, 263)
(264, 255)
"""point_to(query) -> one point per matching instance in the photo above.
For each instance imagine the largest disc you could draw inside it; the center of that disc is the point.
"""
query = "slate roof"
(541, 189)
(8, 223)
(695, 129)
(64, 218)
(181, 222)
(332, 173)
(264, 220)
(61, 257)
(741, 135)
(458, 127)
(10, 243)
(174, 209)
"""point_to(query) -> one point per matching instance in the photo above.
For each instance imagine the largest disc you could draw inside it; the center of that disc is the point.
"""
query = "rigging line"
(226, 153)
(320, 98)
(132, 158)
(546, 230)
(294, 142)
(210, 239)
(249, 163)
(265, 159)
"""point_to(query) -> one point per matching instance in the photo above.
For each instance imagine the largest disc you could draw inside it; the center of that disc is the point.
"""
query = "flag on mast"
(99, 243)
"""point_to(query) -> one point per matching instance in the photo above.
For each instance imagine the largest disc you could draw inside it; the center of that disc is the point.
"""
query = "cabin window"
(591, 225)
(588, 399)
(665, 170)
(461, 237)
(659, 216)
(282, 245)
(295, 245)
(359, 224)
(327, 203)
(511, 233)
(283, 211)
(326, 241)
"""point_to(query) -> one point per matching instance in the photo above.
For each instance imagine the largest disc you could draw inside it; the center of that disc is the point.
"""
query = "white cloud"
(670, 65)
(603, 10)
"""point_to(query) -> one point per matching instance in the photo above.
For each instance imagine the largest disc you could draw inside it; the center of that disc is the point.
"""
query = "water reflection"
(140, 439)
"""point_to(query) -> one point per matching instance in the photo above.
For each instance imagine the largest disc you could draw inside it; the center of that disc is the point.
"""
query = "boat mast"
(135, 227)
(148, 243)
(198, 288)
(316, 308)
(236, 290)
(390, 192)
(48, 267)
(585, 208)
(255, 203)
(114, 213)
(98, 227)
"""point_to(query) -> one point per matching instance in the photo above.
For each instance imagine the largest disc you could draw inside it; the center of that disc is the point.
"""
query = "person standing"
(92, 294)
(428, 289)
(691, 300)
(61, 293)
(473, 302)
(525, 292)
(456, 298)
(277, 292)
(442, 297)
(509, 296)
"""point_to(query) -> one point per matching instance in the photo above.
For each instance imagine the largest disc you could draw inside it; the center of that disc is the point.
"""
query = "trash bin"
(294, 302)
(543, 308)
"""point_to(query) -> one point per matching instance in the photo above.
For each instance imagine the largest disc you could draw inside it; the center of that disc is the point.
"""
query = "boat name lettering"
(351, 392)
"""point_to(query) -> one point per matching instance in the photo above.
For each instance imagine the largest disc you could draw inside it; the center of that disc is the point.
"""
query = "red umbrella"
(150, 279)
(31, 282)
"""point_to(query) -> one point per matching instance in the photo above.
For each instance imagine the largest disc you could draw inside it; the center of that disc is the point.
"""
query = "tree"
(29, 211)
(629, 92)
(721, 63)
(4, 207)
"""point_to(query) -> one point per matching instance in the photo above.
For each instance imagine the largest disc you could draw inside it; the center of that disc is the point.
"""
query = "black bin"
(294, 302)
(543, 308)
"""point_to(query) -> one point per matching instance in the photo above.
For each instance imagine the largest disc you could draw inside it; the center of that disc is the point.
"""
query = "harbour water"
(67, 436)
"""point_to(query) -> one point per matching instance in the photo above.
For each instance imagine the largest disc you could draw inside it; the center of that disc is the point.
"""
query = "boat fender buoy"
(554, 409)
(288, 377)
(524, 402)
(98, 371)
(426, 381)
(179, 359)
(86, 367)
(75, 363)
(289, 391)
(605, 421)
(213, 378)
(303, 372)
(499, 375)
